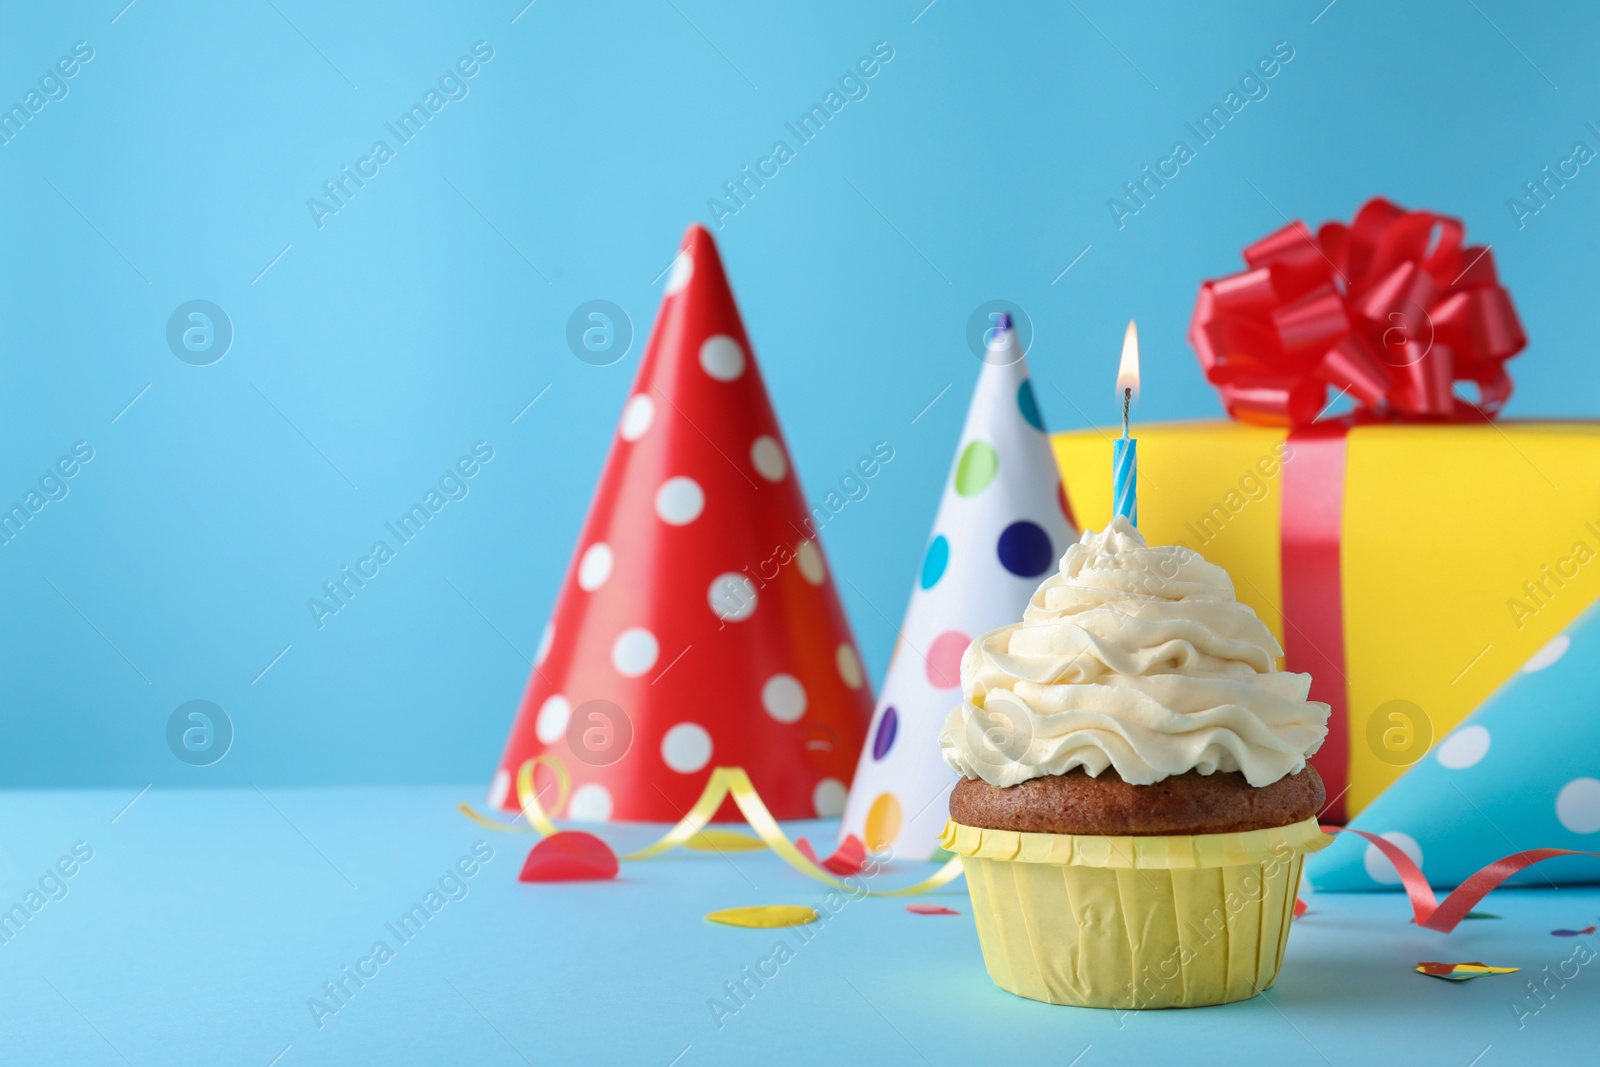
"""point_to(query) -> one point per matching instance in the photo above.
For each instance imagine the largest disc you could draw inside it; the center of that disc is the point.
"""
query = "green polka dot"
(979, 464)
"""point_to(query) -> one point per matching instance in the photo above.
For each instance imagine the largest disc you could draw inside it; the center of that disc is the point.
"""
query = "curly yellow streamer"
(724, 781)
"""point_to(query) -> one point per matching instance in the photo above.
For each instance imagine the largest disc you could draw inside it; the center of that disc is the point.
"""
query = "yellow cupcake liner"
(1134, 922)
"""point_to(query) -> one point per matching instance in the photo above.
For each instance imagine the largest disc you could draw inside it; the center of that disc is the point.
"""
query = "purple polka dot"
(888, 726)
(1025, 549)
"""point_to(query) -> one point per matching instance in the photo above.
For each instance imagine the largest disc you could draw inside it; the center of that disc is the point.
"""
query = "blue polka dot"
(888, 726)
(934, 563)
(1029, 404)
(1025, 549)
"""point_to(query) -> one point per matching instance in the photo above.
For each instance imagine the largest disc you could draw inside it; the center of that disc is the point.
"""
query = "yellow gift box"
(1133, 922)
(1464, 549)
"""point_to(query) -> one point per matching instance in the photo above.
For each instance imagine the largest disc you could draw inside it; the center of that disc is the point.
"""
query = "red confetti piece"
(570, 856)
(930, 909)
(1300, 907)
(848, 858)
(1572, 933)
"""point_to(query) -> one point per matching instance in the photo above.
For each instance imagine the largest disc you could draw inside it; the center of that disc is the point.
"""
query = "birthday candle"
(1125, 449)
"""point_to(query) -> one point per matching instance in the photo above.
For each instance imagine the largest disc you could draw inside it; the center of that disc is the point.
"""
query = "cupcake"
(1135, 801)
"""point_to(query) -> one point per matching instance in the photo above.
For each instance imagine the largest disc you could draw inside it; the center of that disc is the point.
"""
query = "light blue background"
(413, 324)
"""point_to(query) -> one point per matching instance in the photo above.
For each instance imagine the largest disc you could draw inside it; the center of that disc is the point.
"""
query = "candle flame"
(1128, 370)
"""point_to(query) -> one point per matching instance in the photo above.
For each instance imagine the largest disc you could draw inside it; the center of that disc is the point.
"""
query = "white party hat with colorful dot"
(698, 625)
(1521, 772)
(1003, 523)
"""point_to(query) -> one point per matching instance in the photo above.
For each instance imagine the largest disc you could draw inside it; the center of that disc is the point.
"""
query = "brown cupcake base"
(1192, 803)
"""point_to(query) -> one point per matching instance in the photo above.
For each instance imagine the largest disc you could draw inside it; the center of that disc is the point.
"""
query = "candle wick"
(1127, 398)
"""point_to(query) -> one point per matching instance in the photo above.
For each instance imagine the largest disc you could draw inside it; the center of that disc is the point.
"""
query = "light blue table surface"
(207, 919)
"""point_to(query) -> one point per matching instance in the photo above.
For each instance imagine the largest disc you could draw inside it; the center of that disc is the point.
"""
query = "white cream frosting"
(1136, 658)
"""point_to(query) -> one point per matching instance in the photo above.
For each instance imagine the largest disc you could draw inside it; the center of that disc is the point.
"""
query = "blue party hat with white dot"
(1002, 525)
(1521, 772)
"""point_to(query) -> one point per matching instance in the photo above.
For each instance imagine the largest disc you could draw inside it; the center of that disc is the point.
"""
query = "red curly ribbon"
(1391, 310)
(1445, 917)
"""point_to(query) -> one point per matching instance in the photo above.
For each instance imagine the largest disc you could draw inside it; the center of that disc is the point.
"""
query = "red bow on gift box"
(1391, 310)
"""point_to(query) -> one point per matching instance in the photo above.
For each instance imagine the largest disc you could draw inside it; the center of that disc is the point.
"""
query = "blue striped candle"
(1125, 477)
(1125, 450)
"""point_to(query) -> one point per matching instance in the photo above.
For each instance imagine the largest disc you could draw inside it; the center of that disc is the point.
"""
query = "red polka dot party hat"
(698, 625)
(1001, 528)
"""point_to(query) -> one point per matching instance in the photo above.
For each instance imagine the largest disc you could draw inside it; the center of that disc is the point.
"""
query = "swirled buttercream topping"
(1137, 658)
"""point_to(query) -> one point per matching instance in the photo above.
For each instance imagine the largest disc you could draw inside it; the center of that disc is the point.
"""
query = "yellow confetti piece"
(723, 841)
(765, 916)
(1461, 972)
